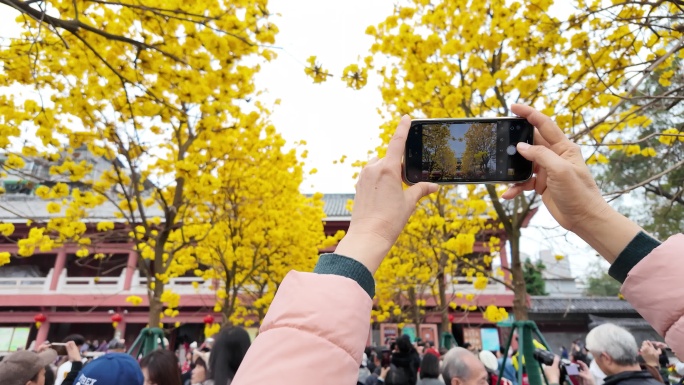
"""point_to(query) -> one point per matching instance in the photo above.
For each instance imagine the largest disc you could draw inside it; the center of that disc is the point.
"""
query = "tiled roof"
(579, 305)
(336, 205)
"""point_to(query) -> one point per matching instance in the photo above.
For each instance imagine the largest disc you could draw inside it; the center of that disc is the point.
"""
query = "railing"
(24, 285)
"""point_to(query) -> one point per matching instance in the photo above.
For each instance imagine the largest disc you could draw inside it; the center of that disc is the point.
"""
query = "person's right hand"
(73, 353)
(568, 190)
(562, 177)
(552, 372)
(585, 375)
(650, 353)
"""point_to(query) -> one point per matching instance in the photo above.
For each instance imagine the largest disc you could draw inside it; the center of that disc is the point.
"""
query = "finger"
(583, 365)
(419, 190)
(539, 139)
(517, 189)
(540, 186)
(395, 149)
(547, 128)
(541, 155)
(372, 161)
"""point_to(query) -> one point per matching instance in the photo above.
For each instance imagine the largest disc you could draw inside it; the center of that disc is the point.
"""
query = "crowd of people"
(316, 328)
(214, 362)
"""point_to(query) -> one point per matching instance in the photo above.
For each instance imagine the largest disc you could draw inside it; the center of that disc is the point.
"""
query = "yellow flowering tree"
(264, 226)
(440, 59)
(434, 252)
(158, 94)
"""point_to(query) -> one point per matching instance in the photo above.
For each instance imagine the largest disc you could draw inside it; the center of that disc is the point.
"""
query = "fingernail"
(522, 146)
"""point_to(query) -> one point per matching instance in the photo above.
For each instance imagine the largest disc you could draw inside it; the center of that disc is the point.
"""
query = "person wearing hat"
(109, 369)
(26, 367)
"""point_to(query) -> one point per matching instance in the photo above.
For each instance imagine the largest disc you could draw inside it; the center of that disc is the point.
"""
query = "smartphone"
(460, 151)
(386, 357)
(60, 348)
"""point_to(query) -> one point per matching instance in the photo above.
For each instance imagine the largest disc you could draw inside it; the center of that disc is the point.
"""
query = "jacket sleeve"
(654, 287)
(76, 367)
(314, 332)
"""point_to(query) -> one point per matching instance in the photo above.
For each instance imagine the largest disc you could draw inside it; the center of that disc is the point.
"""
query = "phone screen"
(572, 369)
(452, 151)
(385, 361)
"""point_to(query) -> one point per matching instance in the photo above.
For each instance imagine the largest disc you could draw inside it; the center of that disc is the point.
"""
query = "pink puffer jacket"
(655, 287)
(314, 333)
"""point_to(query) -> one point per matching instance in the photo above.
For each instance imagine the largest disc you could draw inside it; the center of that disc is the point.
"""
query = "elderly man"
(462, 367)
(615, 351)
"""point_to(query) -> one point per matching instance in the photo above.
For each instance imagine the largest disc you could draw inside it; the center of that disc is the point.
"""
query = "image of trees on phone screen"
(459, 151)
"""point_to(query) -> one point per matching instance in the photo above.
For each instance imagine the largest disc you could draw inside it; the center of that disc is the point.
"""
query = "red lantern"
(451, 318)
(116, 318)
(39, 319)
(208, 319)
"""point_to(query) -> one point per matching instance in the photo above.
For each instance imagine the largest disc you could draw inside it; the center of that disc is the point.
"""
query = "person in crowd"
(564, 353)
(405, 362)
(596, 372)
(364, 372)
(65, 368)
(429, 371)
(228, 351)
(112, 368)
(509, 372)
(161, 367)
(462, 367)
(116, 346)
(49, 375)
(201, 375)
(655, 358)
(298, 337)
(615, 351)
(468, 346)
(372, 356)
(26, 367)
(430, 349)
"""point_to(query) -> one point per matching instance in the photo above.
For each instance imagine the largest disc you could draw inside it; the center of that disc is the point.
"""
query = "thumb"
(419, 190)
(543, 156)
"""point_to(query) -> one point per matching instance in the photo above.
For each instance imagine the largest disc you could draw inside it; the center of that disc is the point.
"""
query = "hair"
(503, 350)
(454, 364)
(404, 344)
(49, 376)
(162, 367)
(200, 362)
(615, 341)
(78, 339)
(467, 345)
(429, 366)
(230, 346)
(429, 344)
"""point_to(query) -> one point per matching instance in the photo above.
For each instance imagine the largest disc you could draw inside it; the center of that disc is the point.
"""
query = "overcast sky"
(333, 119)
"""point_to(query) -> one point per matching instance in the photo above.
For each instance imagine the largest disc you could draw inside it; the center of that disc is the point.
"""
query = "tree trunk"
(443, 306)
(415, 309)
(154, 316)
(519, 289)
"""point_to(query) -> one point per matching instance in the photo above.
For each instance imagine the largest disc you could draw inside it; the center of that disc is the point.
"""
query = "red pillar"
(42, 333)
(131, 266)
(60, 262)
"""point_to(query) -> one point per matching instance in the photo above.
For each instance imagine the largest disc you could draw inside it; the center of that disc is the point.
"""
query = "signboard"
(19, 339)
(472, 335)
(410, 331)
(5, 339)
(490, 339)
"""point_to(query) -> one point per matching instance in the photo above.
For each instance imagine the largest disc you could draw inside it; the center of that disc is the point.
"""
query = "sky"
(336, 121)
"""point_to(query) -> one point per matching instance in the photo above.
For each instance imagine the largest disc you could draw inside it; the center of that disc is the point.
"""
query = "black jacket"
(641, 377)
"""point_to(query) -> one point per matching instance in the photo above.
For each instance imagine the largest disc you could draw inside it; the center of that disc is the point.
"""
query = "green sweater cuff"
(636, 250)
(336, 264)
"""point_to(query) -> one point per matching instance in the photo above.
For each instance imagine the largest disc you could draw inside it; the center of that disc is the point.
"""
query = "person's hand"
(43, 347)
(552, 372)
(562, 178)
(650, 354)
(73, 353)
(381, 206)
(383, 372)
(567, 188)
(659, 345)
(585, 375)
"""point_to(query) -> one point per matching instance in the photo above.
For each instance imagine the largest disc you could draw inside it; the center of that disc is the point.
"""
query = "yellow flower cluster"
(495, 314)
(134, 300)
(4, 258)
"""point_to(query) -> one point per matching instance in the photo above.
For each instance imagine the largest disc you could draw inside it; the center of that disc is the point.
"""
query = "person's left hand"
(73, 353)
(553, 372)
(43, 347)
(381, 206)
